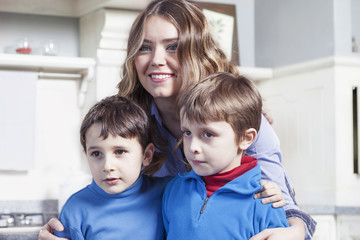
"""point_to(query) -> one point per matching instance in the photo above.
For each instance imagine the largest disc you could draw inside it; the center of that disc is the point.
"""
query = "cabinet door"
(17, 120)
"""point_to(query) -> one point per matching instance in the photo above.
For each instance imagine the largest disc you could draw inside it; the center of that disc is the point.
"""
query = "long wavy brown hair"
(197, 52)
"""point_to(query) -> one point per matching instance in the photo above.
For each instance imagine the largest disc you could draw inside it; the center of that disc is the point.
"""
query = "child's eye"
(208, 134)
(95, 154)
(145, 48)
(187, 133)
(172, 47)
(120, 152)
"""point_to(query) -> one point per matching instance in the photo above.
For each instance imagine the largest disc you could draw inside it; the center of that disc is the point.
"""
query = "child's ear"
(148, 154)
(248, 138)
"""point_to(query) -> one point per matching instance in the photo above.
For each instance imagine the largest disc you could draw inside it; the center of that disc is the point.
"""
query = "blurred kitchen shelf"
(53, 67)
(55, 64)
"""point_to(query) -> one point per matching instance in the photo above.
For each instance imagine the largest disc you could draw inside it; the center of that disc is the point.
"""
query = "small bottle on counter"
(24, 46)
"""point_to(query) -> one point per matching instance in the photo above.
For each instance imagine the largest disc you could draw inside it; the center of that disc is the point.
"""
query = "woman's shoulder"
(265, 139)
(156, 182)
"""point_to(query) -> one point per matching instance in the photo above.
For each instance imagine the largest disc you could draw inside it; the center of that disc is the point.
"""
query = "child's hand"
(296, 231)
(271, 193)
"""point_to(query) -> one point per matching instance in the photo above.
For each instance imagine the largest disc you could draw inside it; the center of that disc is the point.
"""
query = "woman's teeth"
(160, 76)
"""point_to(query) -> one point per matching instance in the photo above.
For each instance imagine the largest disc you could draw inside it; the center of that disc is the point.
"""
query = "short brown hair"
(119, 116)
(223, 97)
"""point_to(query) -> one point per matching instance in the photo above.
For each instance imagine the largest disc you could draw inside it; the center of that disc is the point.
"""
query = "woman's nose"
(158, 57)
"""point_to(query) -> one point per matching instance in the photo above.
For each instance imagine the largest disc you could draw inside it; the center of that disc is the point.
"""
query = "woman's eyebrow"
(170, 39)
(163, 40)
(147, 41)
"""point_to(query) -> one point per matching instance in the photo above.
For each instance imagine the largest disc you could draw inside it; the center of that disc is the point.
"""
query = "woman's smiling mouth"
(160, 77)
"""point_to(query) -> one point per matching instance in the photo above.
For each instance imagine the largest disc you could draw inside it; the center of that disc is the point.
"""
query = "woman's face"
(156, 62)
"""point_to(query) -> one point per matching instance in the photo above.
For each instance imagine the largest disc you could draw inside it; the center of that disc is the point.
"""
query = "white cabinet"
(17, 119)
(312, 106)
(59, 85)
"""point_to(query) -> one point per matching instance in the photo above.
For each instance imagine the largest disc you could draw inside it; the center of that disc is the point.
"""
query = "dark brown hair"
(119, 116)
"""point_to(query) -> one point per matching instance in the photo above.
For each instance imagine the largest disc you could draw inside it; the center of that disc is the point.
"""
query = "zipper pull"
(204, 205)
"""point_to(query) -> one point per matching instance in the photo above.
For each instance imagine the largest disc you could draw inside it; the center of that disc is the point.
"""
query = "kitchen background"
(303, 55)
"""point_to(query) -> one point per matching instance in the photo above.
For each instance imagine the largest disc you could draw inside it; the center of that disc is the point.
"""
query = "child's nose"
(194, 146)
(108, 166)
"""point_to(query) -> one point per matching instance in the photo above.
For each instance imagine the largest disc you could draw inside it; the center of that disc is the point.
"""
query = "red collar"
(216, 181)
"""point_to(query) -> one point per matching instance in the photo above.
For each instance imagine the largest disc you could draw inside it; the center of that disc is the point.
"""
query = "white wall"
(63, 30)
(300, 103)
(342, 27)
(288, 32)
(355, 21)
(58, 154)
(311, 103)
(296, 31)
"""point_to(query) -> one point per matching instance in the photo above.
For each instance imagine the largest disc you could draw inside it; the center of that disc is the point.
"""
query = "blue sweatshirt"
(229, 213)
(91, 213)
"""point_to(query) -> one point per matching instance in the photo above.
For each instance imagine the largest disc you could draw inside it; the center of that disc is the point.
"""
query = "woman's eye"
(172, 47)
(144, 48)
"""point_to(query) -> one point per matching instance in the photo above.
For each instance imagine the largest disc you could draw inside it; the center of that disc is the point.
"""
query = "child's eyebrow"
(92, 147)
(182, 128)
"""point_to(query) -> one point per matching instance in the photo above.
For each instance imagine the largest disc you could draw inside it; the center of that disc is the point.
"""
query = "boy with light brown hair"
(220, 117)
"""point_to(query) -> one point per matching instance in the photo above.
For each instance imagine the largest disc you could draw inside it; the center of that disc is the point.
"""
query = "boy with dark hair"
(120, 203)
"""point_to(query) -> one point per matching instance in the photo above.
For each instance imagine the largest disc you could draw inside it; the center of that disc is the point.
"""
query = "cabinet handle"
(355, 130)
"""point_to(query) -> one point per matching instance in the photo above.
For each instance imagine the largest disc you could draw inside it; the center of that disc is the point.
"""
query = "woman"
(169, 49)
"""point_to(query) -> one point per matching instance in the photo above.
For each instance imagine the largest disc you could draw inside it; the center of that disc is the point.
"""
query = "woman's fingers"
(46, 232)
(54, 224)
(270, 193)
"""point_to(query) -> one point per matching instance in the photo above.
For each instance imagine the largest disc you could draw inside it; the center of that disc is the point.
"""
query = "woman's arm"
(266, 148)
(294, 232)
(47, 231)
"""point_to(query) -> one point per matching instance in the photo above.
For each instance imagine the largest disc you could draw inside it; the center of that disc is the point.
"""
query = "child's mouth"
(112, 181)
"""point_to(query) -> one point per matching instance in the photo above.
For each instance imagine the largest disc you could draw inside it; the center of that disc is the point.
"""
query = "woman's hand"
(46, 232)
(271, 193)
(296, 231)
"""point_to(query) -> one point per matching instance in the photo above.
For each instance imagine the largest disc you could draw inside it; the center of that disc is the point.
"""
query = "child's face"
(115, 162)
(210, 148)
